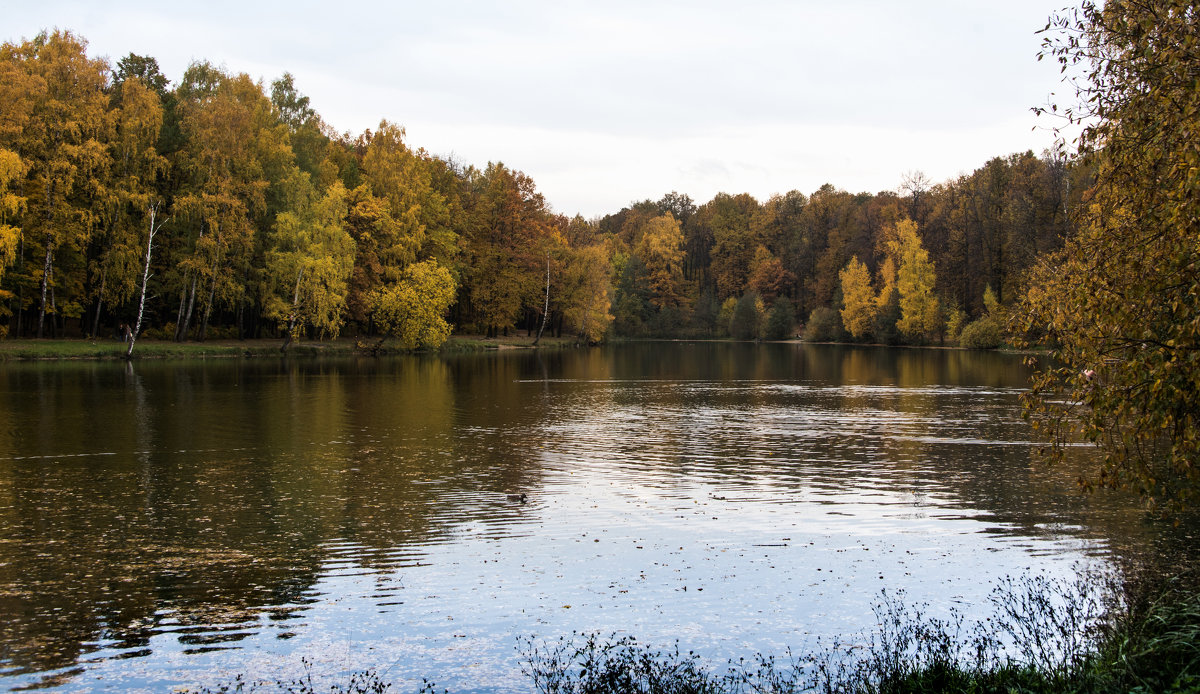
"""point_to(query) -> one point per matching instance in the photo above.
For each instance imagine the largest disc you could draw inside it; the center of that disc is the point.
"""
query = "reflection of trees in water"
(230, 480)
(207, 495)
(1007, 482)
(229, 483)
(58, 587)
(441, 453)
(142, 507)
(909, 420)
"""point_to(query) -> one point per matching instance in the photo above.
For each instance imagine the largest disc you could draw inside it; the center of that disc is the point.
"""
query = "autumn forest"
(172, 519)
(223, 207)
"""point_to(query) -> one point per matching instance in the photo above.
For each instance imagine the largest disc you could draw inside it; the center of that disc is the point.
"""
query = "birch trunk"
(99, 304)
(187, 317)
(546, 306)
(145, 279)
(179, 314)
(212, 294)
(287, 339)
(45, 284)
(181, 327)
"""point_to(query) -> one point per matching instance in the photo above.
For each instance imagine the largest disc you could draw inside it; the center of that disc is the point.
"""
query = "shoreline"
(83, 349)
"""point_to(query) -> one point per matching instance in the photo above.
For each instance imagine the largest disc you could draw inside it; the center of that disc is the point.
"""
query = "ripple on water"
(361, 520)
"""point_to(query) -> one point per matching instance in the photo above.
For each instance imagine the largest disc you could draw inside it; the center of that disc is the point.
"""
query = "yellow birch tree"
(858, 298)
(586, 297)
(136, 167)
(661, 251)
(222, 119)
(919, 309)
(413, 309)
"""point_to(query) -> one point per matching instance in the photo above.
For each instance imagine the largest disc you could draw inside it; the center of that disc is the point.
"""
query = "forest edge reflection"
(174, 497)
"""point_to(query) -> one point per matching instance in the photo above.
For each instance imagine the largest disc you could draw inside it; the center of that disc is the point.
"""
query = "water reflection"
(163, 523)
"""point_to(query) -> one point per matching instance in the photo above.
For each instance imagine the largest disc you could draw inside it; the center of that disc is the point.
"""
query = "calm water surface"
(179, 523)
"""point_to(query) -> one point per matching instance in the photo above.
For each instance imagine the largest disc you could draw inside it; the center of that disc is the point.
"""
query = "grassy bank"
(1093, 636)
(1098, 635)
(32, 350)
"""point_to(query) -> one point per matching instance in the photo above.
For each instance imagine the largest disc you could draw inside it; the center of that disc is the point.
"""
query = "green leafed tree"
(729, 220)
(746, 319)
(781, 321)
(824, 325)
(310, 260)
(887, 316)
(1121, 303)
(631, 295)
(145, 69)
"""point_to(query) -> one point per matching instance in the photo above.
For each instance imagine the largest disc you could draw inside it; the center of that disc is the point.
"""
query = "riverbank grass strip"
(104, 350)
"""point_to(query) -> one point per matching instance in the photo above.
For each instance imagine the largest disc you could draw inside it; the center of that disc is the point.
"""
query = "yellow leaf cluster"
(858, 299)
(412, 310)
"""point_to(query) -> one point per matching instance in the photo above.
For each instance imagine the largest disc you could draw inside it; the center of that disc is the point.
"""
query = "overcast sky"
(605, 103)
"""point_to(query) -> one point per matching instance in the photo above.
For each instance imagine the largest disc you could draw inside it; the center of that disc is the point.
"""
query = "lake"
(178, 523)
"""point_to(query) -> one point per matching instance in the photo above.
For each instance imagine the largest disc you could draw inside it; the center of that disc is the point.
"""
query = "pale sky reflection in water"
(740, 499)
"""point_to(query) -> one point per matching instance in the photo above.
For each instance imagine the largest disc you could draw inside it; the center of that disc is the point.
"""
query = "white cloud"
(607, 103)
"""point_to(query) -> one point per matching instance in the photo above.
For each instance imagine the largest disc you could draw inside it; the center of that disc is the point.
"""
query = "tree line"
(915, 265)
(223, 207)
